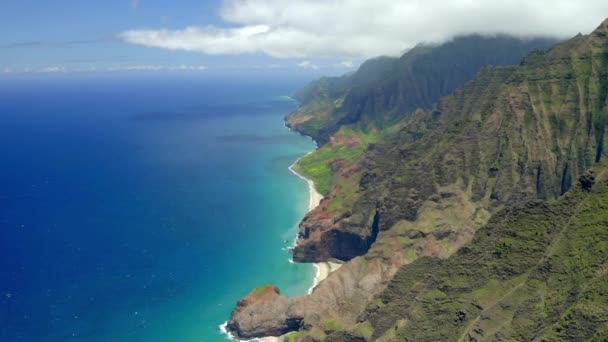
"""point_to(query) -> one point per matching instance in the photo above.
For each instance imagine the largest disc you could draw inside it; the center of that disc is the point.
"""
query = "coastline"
(323, 269)
(315, 196)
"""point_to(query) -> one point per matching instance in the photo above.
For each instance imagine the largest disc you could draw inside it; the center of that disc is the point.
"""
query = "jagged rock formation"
(511, 135)
(386, 89)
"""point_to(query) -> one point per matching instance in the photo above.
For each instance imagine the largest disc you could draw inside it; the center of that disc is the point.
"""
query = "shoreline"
(322, 269)
(315, 197)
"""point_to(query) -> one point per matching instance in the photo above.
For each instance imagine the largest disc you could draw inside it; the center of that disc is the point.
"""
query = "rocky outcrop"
(264, 312)
(344, 295)
(322, 238)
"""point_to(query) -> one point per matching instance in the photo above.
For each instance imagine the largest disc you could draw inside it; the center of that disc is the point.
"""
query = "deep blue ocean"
(143, 209)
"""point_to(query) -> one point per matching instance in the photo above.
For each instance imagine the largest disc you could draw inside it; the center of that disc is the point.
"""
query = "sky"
(316, 36)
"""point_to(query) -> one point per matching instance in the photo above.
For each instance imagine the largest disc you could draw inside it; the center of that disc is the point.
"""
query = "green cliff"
(510, 134)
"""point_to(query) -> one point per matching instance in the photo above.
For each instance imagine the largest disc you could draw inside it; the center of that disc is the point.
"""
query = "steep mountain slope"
(511, 135)
(370, 72)
(386, 89)
(535, 272)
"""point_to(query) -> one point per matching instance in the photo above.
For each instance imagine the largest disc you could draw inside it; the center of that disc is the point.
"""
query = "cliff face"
(511, 135)
(382, 94)
(535, 272)
(387, 89)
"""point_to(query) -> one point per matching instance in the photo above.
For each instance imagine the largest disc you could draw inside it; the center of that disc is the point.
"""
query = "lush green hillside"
(510, 134)
(466, 221)
(371, 104)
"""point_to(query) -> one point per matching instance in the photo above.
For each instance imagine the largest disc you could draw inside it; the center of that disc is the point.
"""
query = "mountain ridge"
(386, 86)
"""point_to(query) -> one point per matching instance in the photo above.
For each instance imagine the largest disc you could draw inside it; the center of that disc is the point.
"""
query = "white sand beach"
(323, 268)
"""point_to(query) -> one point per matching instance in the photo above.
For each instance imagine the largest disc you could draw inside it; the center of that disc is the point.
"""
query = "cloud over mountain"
(362, 28)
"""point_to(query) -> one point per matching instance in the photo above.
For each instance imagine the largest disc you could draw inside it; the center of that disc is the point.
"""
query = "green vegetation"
(346, 195)
(384, 90)
(332, 325)
(349, 147)
(364, 330)
(259, 291)
(315, 166)
(314, 117)
(292, 336)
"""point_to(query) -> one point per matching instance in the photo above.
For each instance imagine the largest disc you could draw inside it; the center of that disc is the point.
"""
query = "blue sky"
(314, 36)
(78, 34)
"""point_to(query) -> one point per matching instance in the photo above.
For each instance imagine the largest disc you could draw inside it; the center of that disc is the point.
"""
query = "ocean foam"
(311, 205)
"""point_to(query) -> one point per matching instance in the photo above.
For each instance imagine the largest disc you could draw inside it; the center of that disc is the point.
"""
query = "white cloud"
(347, 64)
(208, 40)
(146, 67)
(136, 68)
(363, 28)
(51, 69)
(143, 67)
(307, 65)
(189, 67)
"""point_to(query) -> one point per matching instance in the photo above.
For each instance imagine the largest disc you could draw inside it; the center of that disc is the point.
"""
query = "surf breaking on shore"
(323, 269)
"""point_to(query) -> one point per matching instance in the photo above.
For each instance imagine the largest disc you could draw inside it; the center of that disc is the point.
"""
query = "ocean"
(142, 209)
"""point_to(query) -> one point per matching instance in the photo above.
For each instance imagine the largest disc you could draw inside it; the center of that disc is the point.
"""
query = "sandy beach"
(323, 268)
(315, 196)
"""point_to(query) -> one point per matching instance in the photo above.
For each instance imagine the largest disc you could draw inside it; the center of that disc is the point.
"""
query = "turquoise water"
(142, 210)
